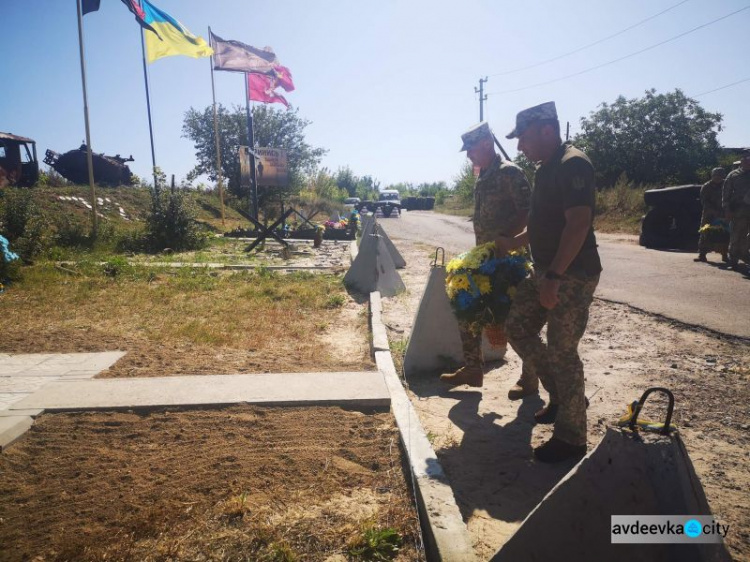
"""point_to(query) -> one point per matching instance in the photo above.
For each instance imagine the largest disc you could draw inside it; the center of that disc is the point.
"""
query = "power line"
(579, 49)
(621, 58)
(721, 88)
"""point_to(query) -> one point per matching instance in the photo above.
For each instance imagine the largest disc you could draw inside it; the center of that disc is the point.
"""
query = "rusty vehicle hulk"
(108, 170)
(18, 161)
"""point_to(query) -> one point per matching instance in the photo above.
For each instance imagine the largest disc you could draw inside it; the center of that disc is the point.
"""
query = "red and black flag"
(140, 15)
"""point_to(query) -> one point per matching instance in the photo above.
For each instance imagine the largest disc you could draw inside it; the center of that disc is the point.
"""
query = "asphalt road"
(667, 283)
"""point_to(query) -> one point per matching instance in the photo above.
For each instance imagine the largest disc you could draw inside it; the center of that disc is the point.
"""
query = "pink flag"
(284, 77)
(261, 87)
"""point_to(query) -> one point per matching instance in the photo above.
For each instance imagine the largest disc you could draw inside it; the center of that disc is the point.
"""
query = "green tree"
(271, 127)
(526, 165)
(659, 138)
(345, 179)
(463, 183)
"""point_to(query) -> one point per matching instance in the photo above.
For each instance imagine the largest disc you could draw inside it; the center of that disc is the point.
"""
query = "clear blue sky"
(389, 86)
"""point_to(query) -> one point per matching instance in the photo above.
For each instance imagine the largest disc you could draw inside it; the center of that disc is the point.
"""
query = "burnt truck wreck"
(674, 218)
(108, 170)
(18, 161)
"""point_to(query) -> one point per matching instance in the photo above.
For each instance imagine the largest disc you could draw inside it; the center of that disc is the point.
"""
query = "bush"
(23, 223)
(9, 263)
(17, 210)
(463, 184)
(623, 198)
(171, 222)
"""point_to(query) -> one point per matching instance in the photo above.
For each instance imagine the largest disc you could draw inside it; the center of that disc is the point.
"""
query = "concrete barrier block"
(625, 474)
(398, 260)
(373, 269)
(435, 343)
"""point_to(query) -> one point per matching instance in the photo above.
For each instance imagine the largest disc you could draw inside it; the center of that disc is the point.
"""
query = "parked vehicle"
(352, 202)
(674, 218)
(389, 202)
(18, 161)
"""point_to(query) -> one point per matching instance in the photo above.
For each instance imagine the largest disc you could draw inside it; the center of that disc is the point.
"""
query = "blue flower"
(489, 267)
(465, 300)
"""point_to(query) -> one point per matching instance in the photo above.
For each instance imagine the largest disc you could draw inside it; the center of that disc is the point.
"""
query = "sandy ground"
(241, 483)
(484, 441)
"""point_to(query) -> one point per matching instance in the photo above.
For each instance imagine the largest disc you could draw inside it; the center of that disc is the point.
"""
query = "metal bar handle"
(642, 401)
(437, 251)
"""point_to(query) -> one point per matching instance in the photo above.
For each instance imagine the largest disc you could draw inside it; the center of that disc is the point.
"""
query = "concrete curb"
(446, 536)
(13, 427)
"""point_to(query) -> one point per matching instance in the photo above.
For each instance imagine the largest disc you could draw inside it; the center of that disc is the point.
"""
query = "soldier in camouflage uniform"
(501, 205)
(567, 268)
(736, 203)
(711, 201)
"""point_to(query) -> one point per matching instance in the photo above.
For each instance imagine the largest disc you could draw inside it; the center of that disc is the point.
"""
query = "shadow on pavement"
(491, 470)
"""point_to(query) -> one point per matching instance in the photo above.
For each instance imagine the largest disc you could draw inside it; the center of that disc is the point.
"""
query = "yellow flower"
(458, 282)
(471, 259)
(483, 283)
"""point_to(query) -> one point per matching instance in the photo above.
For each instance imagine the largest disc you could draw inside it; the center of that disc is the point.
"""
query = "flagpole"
(89, 159)
(216, 131)
(148, 106)
(251, 142)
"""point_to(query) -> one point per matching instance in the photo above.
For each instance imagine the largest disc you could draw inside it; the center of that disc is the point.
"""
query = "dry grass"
(620, 208)
(239, 483)
(185, 320)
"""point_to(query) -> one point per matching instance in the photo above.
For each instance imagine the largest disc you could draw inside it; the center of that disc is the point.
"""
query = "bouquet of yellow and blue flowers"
(481, 285)
(716, 232)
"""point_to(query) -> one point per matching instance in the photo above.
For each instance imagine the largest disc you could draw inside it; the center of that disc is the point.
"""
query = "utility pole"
(482, 97)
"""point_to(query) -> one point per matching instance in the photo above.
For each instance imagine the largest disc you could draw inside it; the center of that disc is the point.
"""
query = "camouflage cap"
(475, 134)
(527, 117)
(720, 171)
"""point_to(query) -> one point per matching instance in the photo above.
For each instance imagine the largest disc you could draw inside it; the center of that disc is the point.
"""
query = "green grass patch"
(375, 544)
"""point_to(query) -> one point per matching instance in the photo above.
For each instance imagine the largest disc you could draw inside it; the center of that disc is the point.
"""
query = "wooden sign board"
(272, 167)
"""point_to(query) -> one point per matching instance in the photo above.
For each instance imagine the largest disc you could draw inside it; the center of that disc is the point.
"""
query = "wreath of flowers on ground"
(481, 285)
(716, 232)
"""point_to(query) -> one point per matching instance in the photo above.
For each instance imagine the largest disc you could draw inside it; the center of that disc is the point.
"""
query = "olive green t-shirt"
(566, 181)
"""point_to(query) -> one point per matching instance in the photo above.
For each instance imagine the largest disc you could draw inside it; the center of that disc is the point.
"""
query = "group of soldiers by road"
(555, 221)
(727, 198)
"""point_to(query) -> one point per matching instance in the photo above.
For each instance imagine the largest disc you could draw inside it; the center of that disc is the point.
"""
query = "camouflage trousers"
(471, 342)
(556, 363)
(704, 245)
(739, 243)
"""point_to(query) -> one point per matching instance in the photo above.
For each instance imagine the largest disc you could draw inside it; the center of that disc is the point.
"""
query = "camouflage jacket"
(711, 200)
(501, 192)
(736, 193)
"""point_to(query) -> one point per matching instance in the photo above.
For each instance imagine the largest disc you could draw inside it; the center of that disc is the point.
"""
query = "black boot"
(556, 450)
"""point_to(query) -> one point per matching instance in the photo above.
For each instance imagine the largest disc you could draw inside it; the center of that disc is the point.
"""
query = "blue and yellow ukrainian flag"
(173, 38)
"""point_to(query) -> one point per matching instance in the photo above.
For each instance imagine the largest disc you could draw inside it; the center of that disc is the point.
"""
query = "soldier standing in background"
(711, 202)
(501, 206)
(736, 203)
(566, 273)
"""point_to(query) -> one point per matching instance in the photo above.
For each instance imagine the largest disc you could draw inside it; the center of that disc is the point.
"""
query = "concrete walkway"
(360, 389)
(25, 374)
